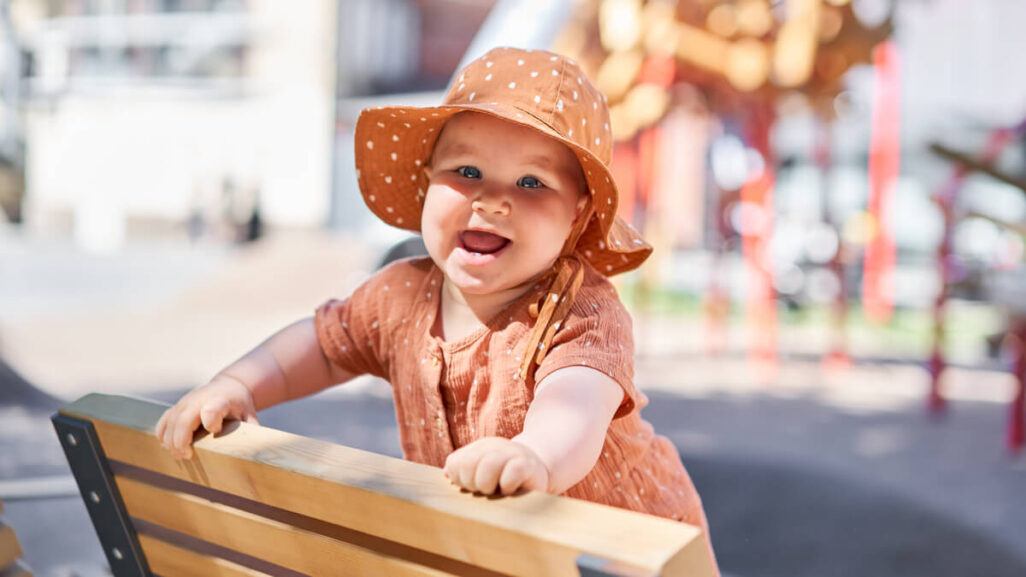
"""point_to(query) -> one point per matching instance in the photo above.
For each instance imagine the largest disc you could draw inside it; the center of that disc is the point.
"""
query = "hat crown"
(548, 86)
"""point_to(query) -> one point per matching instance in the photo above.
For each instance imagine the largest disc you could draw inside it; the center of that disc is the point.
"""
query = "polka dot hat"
(535, 88)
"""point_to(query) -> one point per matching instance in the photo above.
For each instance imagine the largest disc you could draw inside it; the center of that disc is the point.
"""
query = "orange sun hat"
(535, 88)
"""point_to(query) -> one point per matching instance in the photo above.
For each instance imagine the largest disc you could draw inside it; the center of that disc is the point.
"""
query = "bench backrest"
(10, 552)
(256, 501)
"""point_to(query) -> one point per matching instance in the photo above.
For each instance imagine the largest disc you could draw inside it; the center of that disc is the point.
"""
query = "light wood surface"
(294, 548)
(530, 534)
(167, 559)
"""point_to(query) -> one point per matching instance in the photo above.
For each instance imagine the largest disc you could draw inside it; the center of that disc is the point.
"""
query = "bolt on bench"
(257, 501)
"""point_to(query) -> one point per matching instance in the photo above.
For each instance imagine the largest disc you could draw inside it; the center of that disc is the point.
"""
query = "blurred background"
(831, 328)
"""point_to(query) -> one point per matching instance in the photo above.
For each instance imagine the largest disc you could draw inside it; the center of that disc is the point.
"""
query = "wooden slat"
(293, 548)
(530, 534)
(10, 549)
(171, 561)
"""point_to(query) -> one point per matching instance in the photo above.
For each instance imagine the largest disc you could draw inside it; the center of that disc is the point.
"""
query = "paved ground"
(802, 472)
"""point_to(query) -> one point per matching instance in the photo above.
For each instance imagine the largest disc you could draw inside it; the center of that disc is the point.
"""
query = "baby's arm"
(288, 365)
(563, 434)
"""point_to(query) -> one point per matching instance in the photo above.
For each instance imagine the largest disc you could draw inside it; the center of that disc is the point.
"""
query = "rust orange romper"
(448, 394)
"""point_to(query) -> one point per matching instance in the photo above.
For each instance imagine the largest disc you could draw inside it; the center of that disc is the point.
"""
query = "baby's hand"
(495, 464)
(209, 406)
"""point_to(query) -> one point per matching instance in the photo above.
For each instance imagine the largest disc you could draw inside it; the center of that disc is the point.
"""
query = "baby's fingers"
(486, 473)
(212, 415)
(166, 427)
(181, 436)
(520, 473)
(513, 476)
(458, 463)
(161, 425)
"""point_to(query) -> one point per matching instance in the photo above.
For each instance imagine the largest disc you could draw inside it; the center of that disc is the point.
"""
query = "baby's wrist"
(228, 379)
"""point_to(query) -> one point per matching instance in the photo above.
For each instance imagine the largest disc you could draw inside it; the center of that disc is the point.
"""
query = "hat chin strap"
(554, 306)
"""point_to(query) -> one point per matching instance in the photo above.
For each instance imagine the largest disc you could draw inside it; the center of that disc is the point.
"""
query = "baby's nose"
(490, 200)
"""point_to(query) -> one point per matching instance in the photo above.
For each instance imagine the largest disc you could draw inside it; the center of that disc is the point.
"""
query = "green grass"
(909, 330)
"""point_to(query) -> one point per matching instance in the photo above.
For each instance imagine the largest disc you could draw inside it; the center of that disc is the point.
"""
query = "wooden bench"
(10, 552)
(257, 501)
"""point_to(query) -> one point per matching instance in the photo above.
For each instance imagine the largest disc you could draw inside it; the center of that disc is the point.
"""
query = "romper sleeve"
(597, 334)
(352, 332)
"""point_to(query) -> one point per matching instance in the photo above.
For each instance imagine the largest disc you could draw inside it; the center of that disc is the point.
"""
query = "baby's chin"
(481, 284)
(471, 284)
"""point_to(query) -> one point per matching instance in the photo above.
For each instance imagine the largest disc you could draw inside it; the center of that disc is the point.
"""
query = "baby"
(509, 353)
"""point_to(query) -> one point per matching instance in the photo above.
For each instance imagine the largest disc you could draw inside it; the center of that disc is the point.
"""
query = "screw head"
(117, 553)
(94, 497)
(72, 439)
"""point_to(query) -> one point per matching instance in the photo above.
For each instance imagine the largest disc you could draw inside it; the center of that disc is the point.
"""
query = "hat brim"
(394, 143)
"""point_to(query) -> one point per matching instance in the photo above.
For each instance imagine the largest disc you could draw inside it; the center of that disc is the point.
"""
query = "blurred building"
(394, 52)
(142, 116)
(11, 149)
(142, 113)
(402, 46)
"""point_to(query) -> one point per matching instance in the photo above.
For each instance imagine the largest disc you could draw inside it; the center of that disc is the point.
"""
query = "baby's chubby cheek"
(437, 224)
(432, 242)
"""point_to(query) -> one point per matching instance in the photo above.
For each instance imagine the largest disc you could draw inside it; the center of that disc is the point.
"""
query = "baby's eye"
(529, 182)
(468, 172)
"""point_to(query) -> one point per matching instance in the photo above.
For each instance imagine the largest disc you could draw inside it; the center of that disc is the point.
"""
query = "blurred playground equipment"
(1003, 285)
(691, 76)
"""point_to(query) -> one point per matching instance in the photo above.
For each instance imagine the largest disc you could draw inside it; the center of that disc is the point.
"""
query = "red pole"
(1017, 410)
(946, 201)
(936, 363)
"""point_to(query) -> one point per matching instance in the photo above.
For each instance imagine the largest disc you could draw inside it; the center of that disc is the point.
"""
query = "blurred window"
(86, 44)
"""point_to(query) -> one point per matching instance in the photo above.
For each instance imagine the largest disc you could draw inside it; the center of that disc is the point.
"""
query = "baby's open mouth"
(481, 242)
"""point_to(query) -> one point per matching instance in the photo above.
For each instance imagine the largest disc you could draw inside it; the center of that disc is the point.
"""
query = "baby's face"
(501, 202)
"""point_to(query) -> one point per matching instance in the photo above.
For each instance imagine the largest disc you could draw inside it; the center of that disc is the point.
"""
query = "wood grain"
(170, 560)
(293, 548)
(530, 534)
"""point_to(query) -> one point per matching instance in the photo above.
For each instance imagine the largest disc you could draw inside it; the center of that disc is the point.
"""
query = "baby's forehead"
(471, 120)
(474, 132)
